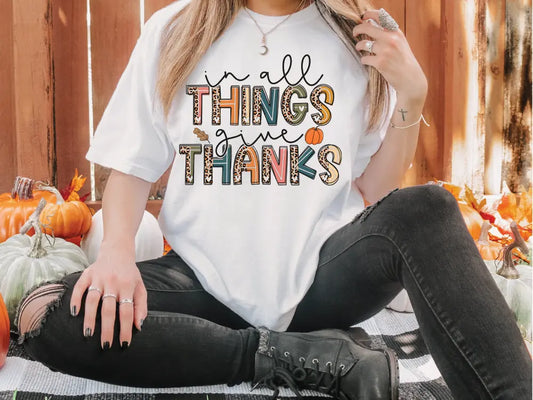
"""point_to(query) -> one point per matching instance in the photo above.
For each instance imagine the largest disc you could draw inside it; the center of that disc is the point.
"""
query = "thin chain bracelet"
(413, 124)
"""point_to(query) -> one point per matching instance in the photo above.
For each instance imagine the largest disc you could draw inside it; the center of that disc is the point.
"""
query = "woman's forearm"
(389, 164)
(123, 205)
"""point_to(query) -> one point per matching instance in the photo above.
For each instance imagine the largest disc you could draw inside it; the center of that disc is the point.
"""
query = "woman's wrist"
(407, 110)
(124, 248)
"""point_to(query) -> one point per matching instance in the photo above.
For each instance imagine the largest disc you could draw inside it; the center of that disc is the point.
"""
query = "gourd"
(28, 261)
(4, 332)
(515, 281)
(149, 242)
(488, 249)
(17, 206)
(314, 135)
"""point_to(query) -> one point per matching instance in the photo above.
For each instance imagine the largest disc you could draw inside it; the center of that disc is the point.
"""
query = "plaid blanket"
(22, 378)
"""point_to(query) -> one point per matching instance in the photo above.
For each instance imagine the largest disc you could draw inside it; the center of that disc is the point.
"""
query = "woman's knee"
(424, 202)
(35, 306)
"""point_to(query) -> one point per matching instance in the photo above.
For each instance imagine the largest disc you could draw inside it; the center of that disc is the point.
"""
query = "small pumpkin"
(17, 206)
(65, 219)
(28, 261)
(4, 332)
(472, 219)
(149, 241)
(488, 249)
(314, 135)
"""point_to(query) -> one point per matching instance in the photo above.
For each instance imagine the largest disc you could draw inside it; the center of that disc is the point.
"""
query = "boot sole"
(394, 371)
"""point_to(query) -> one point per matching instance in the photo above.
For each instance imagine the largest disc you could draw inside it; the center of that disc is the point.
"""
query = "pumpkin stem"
(23, 188)
(37, 250)
(43, 186)
(508, 269)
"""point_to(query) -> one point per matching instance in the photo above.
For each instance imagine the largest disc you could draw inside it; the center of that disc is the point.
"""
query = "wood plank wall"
(475, 53)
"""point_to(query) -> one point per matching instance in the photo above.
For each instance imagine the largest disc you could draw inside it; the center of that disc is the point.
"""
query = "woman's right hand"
(114, 272)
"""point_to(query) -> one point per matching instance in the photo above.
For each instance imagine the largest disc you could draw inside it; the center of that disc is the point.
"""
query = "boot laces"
(294, 375)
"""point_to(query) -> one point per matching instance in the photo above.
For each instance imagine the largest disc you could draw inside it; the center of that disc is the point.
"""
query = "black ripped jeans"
(413, 238)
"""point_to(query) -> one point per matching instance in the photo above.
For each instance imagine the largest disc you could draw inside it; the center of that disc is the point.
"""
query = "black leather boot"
(327, 361)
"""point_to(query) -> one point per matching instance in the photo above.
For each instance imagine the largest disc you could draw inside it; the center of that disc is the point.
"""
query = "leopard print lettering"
(295, 175)
(299, 108)
(190, 150)
(232, 103)
(245, 105)
(208, 164)
(324, 116)
(332, 176)
(256, 106)
(215, 105)
(197, 91)
(266, 165)
(252, 165)
(276, 164)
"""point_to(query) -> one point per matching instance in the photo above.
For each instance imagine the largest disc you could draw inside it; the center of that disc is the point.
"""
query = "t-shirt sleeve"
(370, 142)
(131, 136)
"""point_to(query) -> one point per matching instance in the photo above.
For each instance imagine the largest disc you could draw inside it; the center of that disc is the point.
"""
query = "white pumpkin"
(148, 241)
(517, 293)
(29, 261)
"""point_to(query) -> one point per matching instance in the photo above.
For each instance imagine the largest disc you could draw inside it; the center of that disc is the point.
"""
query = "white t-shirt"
(249, 207)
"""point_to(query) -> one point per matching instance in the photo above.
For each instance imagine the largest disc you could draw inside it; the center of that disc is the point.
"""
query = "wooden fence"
(476, 55)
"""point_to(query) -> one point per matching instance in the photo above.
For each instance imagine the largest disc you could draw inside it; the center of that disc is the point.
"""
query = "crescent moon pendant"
(264, 50)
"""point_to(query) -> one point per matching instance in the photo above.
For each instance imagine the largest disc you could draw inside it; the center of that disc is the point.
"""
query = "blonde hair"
(183, 44)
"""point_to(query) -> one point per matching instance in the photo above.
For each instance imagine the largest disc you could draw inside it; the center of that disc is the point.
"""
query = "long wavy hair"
(184, 43)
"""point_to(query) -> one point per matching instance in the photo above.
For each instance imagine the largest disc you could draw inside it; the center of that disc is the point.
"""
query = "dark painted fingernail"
(141, 323)
(124, 345)
(73, 311)
(88, 332)
(106, 345)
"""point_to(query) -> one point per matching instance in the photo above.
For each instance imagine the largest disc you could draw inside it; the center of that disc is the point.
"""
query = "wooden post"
(423, 31)
(463, 137)
(495, 28)
(71, 89)
(7, 109)
(517, 95)
(115, 27)
(33, 80)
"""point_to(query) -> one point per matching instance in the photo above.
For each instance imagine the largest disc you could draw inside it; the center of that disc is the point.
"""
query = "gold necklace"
(264, 48)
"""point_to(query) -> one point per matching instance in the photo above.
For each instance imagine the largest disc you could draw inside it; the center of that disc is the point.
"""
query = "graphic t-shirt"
(264, 151)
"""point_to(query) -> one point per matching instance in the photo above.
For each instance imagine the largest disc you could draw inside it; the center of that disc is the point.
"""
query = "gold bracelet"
(413, 124)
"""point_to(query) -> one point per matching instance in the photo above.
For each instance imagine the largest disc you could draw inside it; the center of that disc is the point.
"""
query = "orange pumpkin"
(488, 249)
(17, 206)
(4, 332)
(314, 135)
(472, 219)
(65, 219)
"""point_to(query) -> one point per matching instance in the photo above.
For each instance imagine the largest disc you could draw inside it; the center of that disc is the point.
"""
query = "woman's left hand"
(391, 56)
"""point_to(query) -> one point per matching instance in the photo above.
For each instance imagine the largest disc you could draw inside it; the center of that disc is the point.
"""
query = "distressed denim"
(413, 238)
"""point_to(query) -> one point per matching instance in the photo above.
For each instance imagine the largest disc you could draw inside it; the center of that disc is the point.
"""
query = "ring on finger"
(369, 44)
(95, 288)
(386, 21)
(122, 301)
(109, 295)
